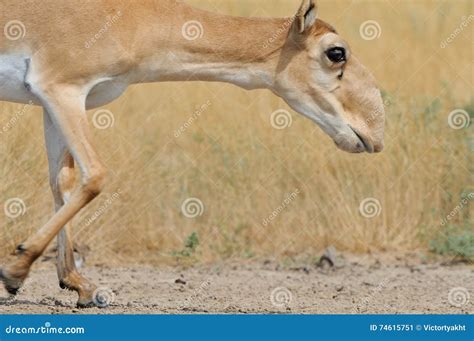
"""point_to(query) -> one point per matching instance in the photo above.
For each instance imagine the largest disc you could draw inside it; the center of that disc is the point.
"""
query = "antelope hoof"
(85, 301)
(85, 289)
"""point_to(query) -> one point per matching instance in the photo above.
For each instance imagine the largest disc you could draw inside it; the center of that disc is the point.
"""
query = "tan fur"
(146, 44)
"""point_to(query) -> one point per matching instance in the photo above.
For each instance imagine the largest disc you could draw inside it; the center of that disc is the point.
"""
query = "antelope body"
(69, 56)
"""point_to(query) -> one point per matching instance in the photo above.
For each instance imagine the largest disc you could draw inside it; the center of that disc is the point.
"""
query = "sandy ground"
(358, 285)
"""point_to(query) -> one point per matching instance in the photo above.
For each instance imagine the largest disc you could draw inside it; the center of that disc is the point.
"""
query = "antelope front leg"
(65, 105)
(62, 180)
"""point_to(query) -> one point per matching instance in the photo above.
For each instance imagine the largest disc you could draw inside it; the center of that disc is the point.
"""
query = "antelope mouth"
(368, 146)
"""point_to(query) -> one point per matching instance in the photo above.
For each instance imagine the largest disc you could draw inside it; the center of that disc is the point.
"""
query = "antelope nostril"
(369, 148)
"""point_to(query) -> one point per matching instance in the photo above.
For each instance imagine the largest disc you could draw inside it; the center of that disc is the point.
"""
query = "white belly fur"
(13, 69)
(12, 75)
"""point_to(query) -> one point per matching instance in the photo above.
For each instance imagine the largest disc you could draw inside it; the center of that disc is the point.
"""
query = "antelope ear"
(306, 16)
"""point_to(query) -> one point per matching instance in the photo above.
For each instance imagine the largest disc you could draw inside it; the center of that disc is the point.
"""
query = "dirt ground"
(356, 285)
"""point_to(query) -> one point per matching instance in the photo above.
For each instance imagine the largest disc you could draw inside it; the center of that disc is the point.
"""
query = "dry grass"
(242, 169)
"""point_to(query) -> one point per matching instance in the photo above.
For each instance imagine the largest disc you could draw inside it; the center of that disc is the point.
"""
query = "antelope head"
(319, 77)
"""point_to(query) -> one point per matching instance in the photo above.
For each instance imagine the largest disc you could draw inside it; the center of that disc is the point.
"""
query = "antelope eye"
(336, 54)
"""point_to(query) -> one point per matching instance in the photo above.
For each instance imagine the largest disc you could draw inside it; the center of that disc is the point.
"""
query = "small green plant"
(455, 241)
(432, 109)
(469, 107)
(190, 245)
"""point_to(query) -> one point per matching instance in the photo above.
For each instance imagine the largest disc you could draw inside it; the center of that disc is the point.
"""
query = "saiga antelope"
(58, 60)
